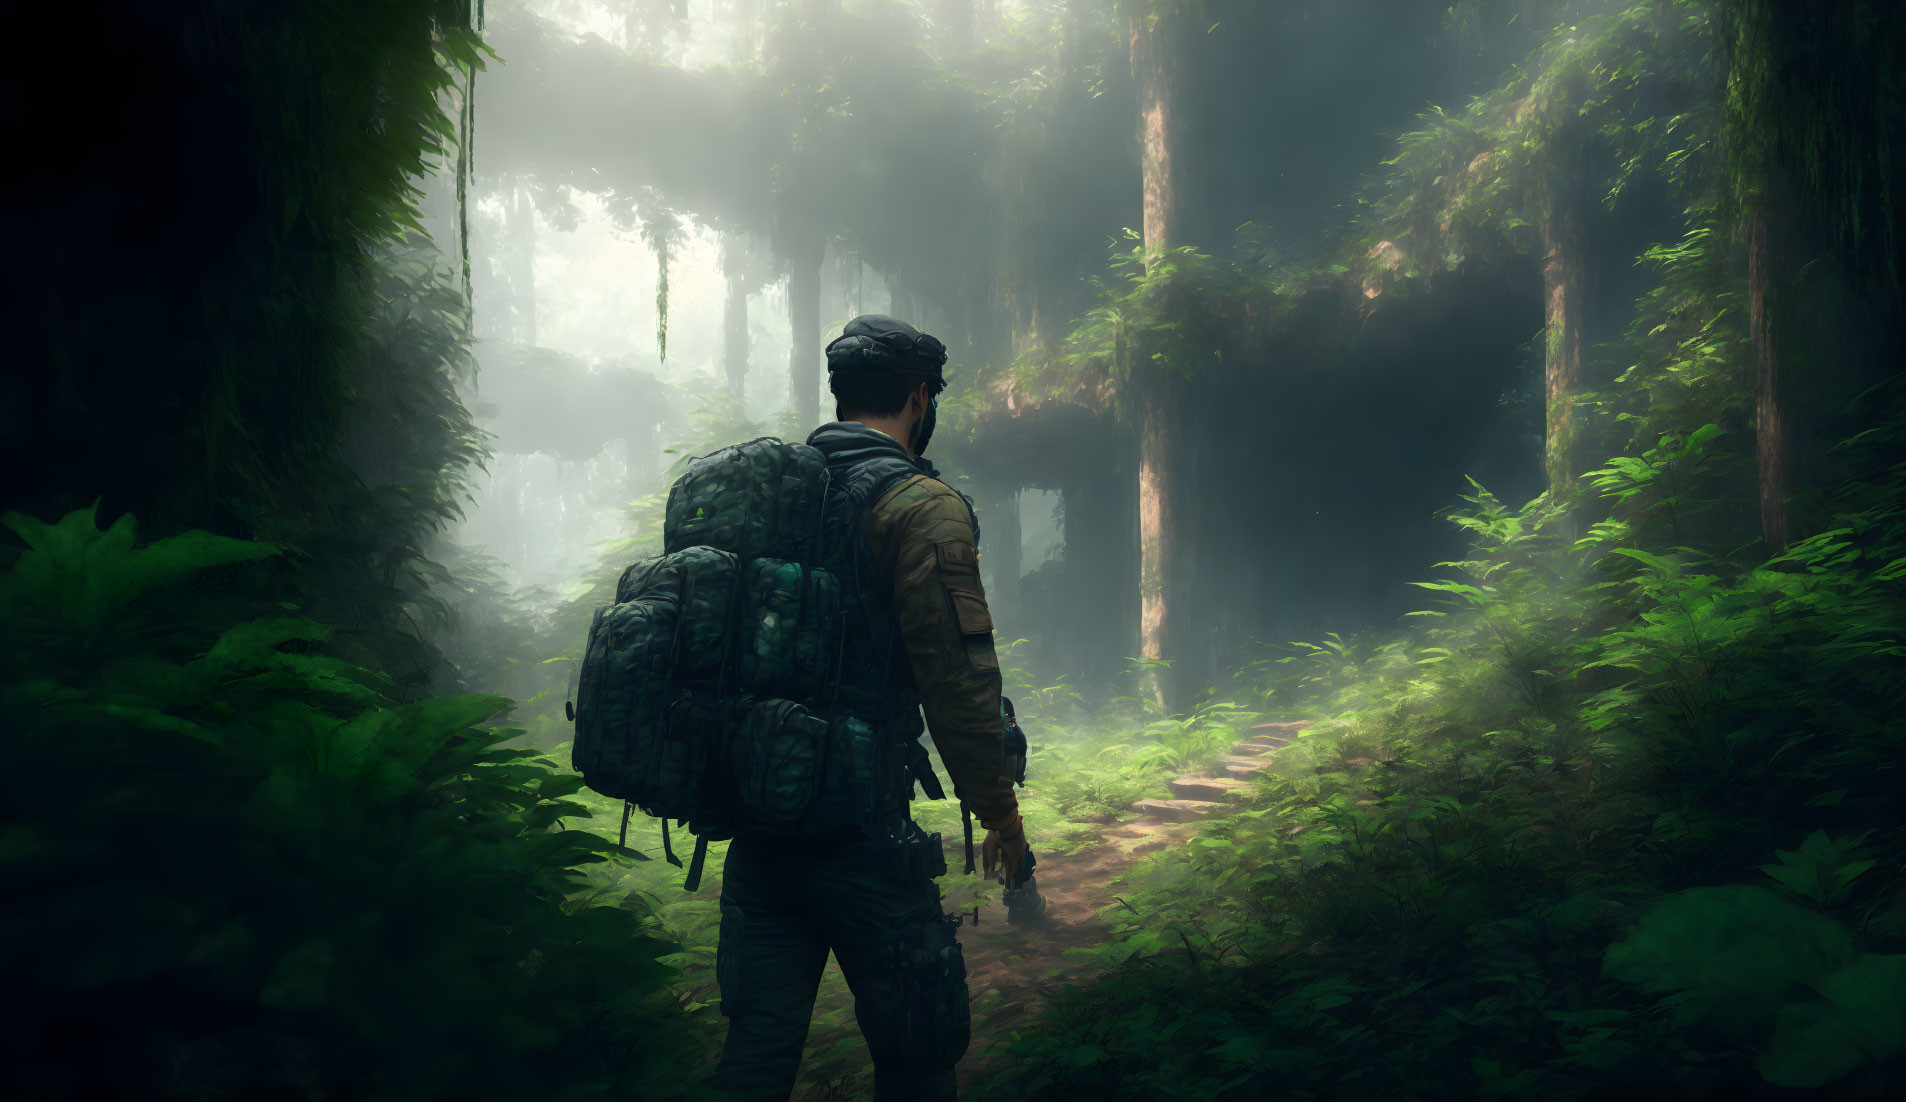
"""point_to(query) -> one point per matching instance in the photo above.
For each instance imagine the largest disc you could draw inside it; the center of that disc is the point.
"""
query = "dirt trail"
(1012, 970)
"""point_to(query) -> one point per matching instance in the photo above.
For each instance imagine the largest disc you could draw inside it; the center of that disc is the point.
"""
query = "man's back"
(926, 645)
(925, 552)
(870, 898)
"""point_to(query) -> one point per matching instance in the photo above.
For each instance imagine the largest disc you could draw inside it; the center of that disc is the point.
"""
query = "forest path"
(1012, 970)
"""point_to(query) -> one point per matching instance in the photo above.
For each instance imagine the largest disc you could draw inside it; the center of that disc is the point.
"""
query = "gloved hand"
(1005, 847)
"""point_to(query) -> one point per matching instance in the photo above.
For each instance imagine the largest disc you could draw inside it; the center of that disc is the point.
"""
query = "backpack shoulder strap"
(866, 483)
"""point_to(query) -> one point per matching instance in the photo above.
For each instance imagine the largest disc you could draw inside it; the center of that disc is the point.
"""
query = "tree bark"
(804, 323)
(1773, 425)
(734, 326)
(1154, 48)
(1153, 67)
(1564, 306)
(1159, 634)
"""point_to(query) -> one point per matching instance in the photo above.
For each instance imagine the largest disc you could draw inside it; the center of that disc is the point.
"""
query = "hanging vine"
(661, 231)
(463, 53)
(466, 159)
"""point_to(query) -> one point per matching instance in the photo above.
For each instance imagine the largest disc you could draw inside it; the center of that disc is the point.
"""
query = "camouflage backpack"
(745, 679)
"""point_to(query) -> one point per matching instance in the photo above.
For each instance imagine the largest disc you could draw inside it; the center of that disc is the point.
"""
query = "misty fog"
(1437, 467)
(604, 121)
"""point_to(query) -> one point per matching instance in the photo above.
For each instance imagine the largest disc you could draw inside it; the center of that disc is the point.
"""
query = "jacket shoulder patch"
(957, 556)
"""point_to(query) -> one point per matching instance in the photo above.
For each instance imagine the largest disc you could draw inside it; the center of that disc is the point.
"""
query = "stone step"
(1206, 788)
(1257, 747)
(1279, 733)
(1236, 765)
(1177, 811)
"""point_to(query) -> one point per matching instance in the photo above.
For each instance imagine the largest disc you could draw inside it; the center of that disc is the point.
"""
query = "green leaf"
(1821, 869)
(1739, 952)
(1087, 1055)
(1861, 1017)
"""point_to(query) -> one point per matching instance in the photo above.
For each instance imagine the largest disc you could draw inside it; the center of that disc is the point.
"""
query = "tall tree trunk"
(1159, 634)
(1154, 42)
(1152, 65)
(804, 323)
(734, 325)
(1564, 304)
(1773, 420)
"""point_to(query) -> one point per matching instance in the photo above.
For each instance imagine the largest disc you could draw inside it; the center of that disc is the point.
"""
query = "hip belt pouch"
(851, 793)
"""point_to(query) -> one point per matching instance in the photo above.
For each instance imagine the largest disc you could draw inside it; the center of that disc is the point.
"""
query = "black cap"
(876, 342)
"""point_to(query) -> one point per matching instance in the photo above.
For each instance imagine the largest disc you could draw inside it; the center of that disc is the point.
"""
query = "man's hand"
(1005, 848)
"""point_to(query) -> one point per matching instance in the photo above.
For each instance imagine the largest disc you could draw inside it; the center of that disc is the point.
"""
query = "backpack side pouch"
(780, 751)
(622, 695)
(705, 582)
(663, 645)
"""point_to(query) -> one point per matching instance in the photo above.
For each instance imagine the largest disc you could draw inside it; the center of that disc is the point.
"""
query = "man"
(869, 897)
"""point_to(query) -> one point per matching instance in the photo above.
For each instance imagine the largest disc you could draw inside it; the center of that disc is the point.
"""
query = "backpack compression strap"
(695, 864)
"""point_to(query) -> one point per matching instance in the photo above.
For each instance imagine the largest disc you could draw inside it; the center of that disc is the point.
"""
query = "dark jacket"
(922, 536)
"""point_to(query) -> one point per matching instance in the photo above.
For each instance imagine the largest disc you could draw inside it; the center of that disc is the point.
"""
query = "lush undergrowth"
(1626, 818)
(234, 865)
(1087, 767)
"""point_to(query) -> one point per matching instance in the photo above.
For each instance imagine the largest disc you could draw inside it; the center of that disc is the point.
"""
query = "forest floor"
(1012, 970)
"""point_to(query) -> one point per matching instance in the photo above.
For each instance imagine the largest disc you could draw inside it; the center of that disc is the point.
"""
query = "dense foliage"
(252, 857)
(1626, 817)
(246, 873)
(1623, 814)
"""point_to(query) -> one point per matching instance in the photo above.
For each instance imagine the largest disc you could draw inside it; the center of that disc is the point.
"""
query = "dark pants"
(872, 901)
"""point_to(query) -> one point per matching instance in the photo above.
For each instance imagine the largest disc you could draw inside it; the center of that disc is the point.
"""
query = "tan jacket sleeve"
(949, 638)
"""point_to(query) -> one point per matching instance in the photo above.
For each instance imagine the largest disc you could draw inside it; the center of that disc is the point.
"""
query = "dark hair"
(874, 393)
(877, 361)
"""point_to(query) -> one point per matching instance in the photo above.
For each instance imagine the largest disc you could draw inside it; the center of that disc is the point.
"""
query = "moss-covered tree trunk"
(804, 325)
(1563, 308)
(734, 325)
(1813, 113)
(1155, 48)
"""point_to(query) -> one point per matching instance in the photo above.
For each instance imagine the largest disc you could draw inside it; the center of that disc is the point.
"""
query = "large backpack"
(748, 679)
